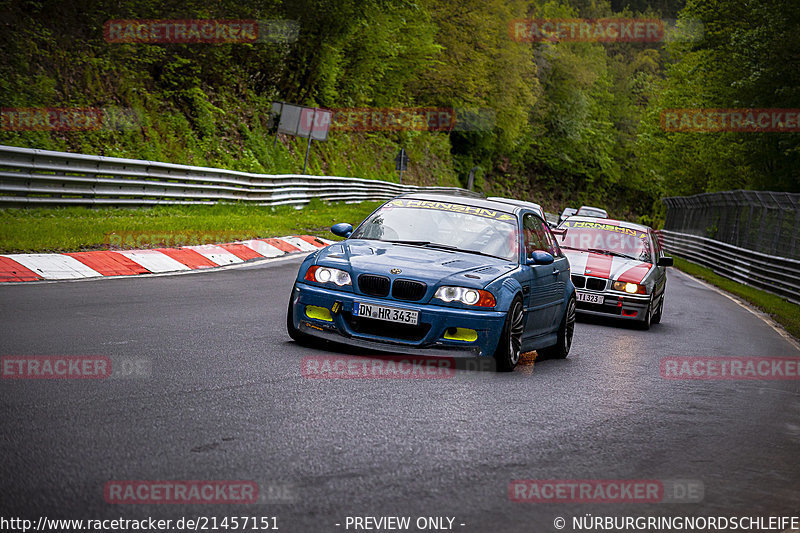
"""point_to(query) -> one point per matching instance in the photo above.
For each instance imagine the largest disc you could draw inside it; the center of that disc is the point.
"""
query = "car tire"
(297, 336)
(659, 313)
(647, 321)
(566, 331)
(509, 347)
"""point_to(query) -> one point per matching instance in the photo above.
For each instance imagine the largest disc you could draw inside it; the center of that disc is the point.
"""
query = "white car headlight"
(465, 295)
(328, 275)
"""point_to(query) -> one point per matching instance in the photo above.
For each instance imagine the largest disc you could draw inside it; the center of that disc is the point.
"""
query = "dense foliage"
(572, 122)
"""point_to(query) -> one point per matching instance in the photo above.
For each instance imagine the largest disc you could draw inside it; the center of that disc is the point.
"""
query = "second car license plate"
(590, 298)
(390, 314)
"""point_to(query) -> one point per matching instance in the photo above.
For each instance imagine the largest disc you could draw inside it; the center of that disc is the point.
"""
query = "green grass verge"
(785, 313)
(75, 229)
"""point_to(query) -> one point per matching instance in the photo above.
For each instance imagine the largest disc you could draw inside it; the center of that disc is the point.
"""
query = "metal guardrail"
(778, 275)
(43, 177)
(764, 221)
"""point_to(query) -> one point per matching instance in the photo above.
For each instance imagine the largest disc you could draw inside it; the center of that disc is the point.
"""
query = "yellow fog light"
(461, 334)
(630, 288)
(319, 313)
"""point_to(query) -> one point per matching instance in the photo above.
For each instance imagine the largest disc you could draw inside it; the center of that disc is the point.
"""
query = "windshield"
(601, 237)
(444, 225)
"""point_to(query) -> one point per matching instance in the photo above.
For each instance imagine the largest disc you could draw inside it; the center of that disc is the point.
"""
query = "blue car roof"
(466, 200)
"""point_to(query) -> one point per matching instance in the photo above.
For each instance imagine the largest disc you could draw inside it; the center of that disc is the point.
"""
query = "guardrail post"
(778, 232)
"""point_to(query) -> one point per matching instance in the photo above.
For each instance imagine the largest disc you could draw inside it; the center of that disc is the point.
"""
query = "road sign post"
(401, 162)
(277, 110)
(471, 182)
(300, 121)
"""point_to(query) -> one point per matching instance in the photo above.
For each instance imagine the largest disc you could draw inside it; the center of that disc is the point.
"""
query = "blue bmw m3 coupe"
(431, 274)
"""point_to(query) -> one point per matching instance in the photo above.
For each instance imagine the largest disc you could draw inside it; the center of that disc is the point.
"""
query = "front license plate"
(389, 314)
(590, 298)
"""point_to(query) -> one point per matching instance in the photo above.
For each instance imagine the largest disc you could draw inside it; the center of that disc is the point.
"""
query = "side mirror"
(664, 261)
(538, 257)
(342, 229)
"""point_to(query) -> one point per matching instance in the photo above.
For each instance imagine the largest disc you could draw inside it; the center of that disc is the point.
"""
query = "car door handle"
(556, 271)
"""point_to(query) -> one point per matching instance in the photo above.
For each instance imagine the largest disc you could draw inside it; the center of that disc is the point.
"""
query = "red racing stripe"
(190, 258)
(313, 240)
(281, 245)
(241, 251)
(109, 263)
(635, 274)
(10, 270)
(598, 265)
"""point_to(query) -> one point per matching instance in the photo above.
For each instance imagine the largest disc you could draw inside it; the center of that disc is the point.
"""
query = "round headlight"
(342, 278)
(470, 297)
(323, 275)
(631, 288)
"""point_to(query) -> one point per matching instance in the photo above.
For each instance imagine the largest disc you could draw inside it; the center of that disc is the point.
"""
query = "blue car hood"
(424, 264)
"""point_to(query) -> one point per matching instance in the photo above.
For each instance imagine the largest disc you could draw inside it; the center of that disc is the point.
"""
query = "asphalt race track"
(216, 394)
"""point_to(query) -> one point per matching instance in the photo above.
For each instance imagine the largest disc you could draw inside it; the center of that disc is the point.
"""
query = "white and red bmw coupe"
(618, 268)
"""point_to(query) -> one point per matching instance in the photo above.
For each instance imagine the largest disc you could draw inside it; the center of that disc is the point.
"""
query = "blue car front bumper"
(426, 338)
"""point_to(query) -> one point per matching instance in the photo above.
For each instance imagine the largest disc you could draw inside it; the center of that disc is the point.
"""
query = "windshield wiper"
(414, 243)
(609, 252)
(457, 249)
(429, 244)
